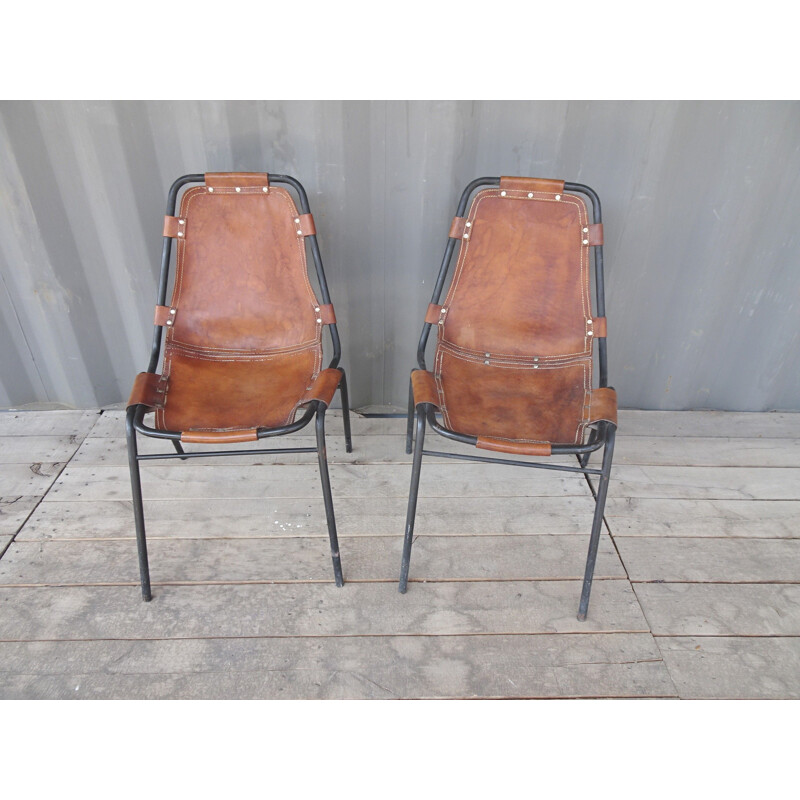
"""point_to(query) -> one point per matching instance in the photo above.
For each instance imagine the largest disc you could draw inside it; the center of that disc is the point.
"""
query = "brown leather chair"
(513, 364)
(242, 359)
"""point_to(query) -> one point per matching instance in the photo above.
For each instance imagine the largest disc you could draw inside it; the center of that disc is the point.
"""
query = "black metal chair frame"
(135, 413)
(602, 435)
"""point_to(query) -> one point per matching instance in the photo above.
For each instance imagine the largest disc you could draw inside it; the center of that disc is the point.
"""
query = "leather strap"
(304, 225)
(531, 185)
(434, 314)
(324, 387)
(595, 235)
(517, 448)
(148, 390)
(326, 315)
(599, 327)
(457, 228)
(424, 388)
(219, 437)
(165, 316)
(602, 406)
(174, 227)
(234, 180)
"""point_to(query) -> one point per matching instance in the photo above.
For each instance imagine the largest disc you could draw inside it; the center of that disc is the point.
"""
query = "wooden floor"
(696, 595)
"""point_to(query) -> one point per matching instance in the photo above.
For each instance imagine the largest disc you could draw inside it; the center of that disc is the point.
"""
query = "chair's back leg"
(597, 522)
(322, 453)
(178, 448)
(348, 441)
(138, 509)
(412, 500)
(410, 423)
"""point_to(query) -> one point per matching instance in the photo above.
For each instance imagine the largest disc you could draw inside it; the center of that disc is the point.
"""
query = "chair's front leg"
(326, 493)
(412, 500)
(597, 522)
(138, 509)
(348, 442)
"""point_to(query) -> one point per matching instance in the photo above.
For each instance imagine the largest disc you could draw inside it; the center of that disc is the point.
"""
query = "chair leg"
(138, 509)
(412, 501)
(410, 425)
(178, 448)
(326, 493)
(348, 442)
(597, 522)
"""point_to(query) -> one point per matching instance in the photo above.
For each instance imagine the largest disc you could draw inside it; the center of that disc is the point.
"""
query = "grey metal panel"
(700, 203)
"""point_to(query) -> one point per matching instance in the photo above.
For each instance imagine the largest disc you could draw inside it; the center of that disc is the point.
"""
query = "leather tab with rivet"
(174, 227)
(545, 185)
(434, 314)
(457, 228)
(595, 234)
(234, 180)
(325, 314)
(305, 225)
(599, 327)
(165, 316)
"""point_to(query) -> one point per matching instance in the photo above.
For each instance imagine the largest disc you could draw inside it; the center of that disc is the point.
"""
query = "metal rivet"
(238, 189)
(469, 224)
(589, 321)
(485, 362)
(316, 308)
(586, 241)
(210, 188)
(180, 233)
(589, 333)
(172, 311)
(299, 233)
(466, 236)
(530, 194)
(536, 366)
(169, 322)
(558, 197)
(536, 358)
(487, 355)
(265, 188)
(502, 194)
(297, 221)
(586, 230)
(181, 222)
(318, 319)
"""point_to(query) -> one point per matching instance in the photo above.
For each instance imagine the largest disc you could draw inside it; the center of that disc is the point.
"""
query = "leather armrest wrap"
(147, 390)
(324, 387)
(219, 437)
(424, 387)
(602, 406)
(517, 448)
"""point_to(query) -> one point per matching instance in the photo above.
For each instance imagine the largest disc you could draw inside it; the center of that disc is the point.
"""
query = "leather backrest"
(521, 285)
(241, 280)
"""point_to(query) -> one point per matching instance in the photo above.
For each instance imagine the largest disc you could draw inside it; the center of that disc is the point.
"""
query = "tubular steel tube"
(405, 562)
(326, 493)
(138, 510)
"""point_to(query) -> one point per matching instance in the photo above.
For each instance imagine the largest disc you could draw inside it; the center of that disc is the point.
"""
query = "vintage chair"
(513, 365)
(243, 351)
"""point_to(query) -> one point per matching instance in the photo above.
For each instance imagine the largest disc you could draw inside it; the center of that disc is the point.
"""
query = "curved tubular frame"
(601, 436)
(135, 414)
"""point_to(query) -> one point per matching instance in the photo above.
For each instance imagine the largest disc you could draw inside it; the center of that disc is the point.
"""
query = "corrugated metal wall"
(701, 202)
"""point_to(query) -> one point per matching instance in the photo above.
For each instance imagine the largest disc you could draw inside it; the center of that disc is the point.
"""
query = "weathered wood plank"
(47, 423)
(706, 482)
(28, 449)
(707, 451)
(710, 560)
(355, 516)
(590, 665)
(306, 559)
(347, 480)
(715, 609)
(33, 478)
(709, 423)
(763, 668)
(13, 512)
(315, 609)
(635, 516)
